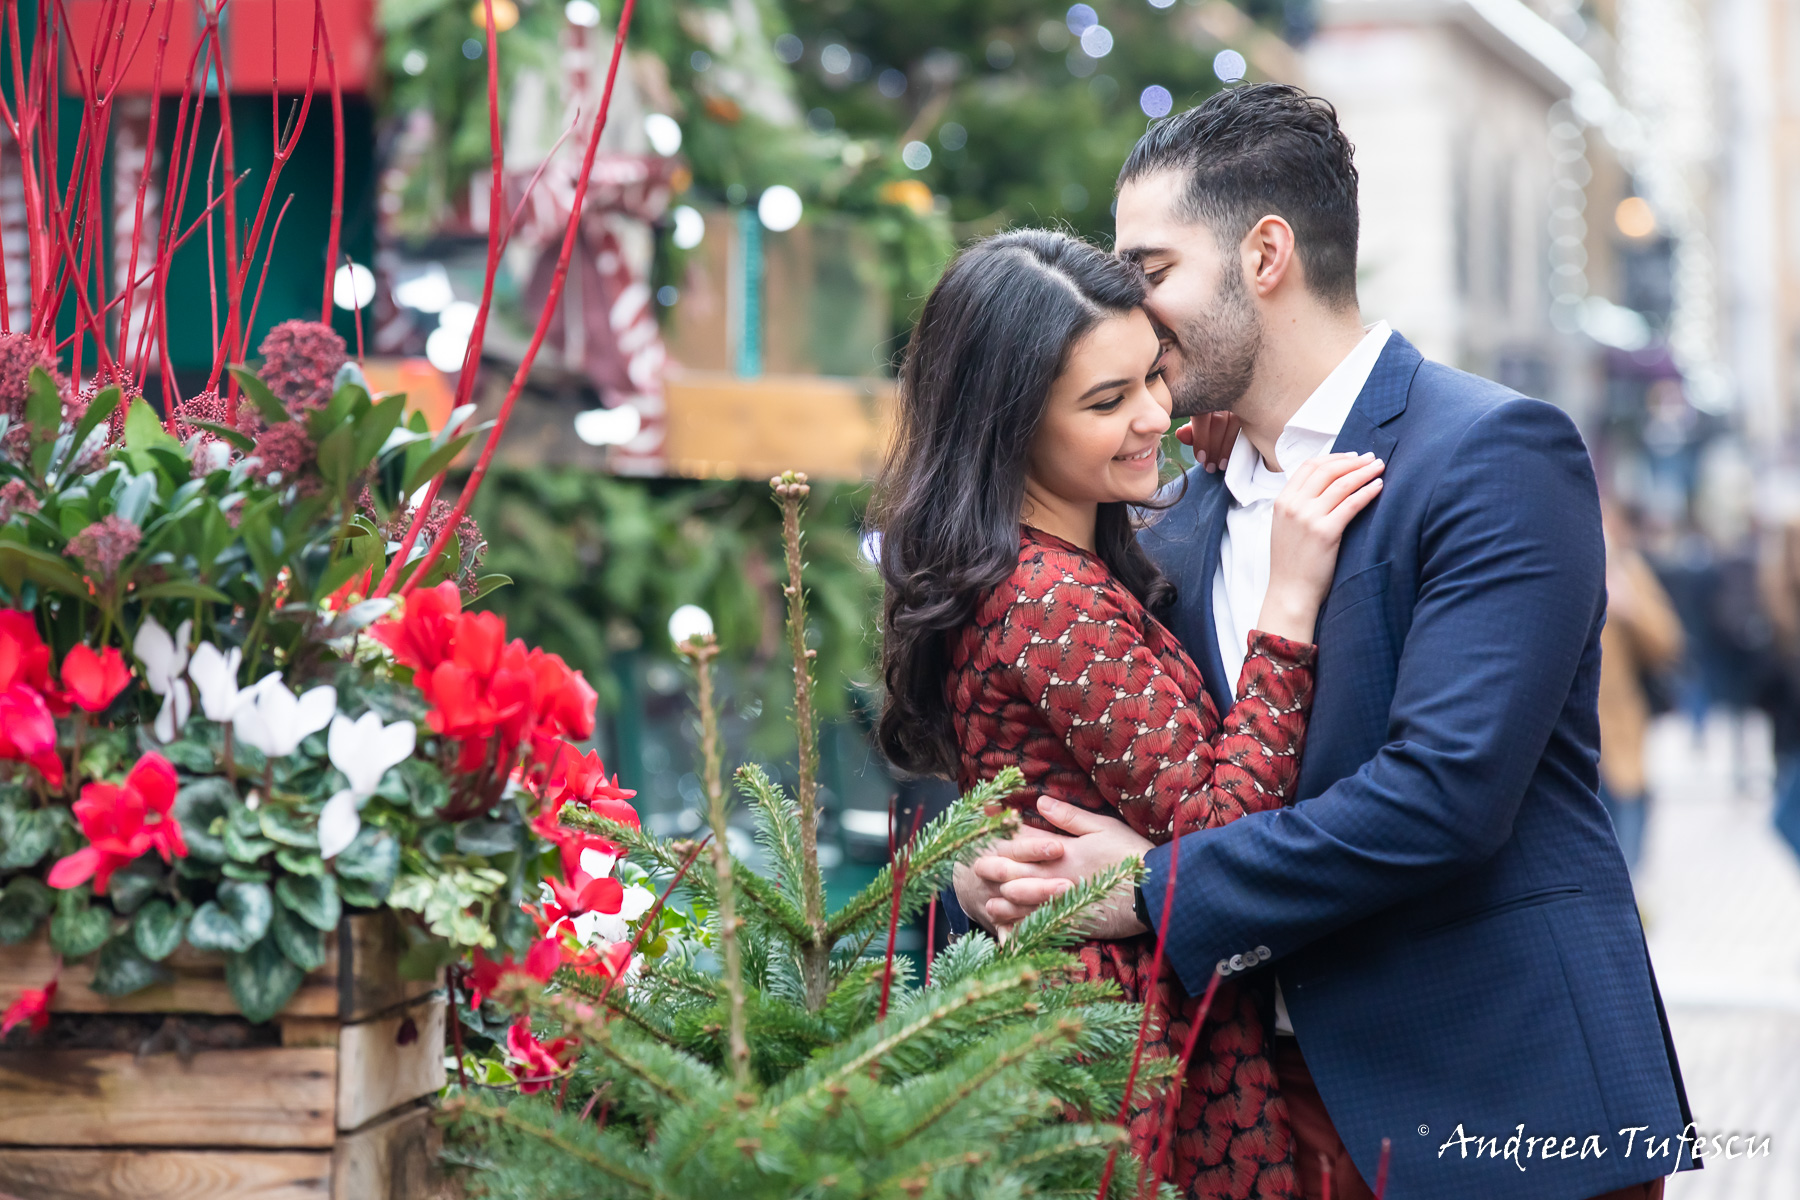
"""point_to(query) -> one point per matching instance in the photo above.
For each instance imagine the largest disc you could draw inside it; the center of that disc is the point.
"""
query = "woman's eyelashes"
(1108, 405)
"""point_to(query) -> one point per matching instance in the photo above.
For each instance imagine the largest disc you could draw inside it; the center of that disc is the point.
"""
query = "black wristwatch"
(1142, 909)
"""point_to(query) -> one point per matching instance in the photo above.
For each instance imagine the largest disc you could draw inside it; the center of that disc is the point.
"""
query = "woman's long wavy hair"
(995, 334)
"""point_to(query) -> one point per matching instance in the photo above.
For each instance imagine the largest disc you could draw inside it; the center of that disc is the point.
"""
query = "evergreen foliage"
(794, 1060)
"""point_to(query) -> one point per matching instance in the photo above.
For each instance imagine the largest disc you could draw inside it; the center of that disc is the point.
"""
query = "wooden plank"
(719, 425)
(308, 1031)
(272, 1098)
(165, 1175)
(370, 947)
(389, 1061)
(199, 985)
(393, 1159)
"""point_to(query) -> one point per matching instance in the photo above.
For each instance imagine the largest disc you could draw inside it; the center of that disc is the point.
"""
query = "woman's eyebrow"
(1102, 387)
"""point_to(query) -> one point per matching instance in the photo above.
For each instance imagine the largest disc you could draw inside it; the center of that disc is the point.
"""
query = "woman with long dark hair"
(1018, 627)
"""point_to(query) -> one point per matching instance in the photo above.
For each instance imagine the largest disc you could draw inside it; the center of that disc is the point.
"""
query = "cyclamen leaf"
(244, 849)
(312, 897)
(135, 883)
(373, 857)
(78, 928)
(25, 837)
(262, 980)
(236, 920)
(23, 906)
(122, 970)
(299, 862)
(486, 837)
(158, 927)
(300, 943)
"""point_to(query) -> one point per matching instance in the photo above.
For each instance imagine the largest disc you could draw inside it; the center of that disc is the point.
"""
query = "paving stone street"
(1720, 892)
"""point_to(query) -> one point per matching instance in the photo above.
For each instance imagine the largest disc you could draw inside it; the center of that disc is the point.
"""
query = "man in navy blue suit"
(1445, 923)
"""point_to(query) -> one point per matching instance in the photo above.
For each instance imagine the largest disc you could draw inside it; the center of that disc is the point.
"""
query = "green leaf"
(287, 828)
(235, 920)
(262, 980)
(434, 463)
(266, 403)
(486, 837)
(25, 837)
(19, 562)
(135, 883)
(299, 862)
(313, 897)
(122, 970)
(100, 410)
(181, 589)
(335, 452)
(303, 945)
(373, 857)
(487, 583)
(358, 894)
(244, 849)
(144, 431)
(158, 927)
(23, 906)
(237, 437)
(191, 757)
(246, 872)
(78, 928)
(373, 428)
(43, 405)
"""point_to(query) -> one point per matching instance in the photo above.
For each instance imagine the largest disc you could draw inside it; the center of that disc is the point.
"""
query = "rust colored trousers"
(1315, 1137)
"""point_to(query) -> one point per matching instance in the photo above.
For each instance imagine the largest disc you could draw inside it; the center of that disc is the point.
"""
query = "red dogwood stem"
(1137, 1050)
(1381, 1168)
(650, 917)
(544, 318)
(1172, 1104)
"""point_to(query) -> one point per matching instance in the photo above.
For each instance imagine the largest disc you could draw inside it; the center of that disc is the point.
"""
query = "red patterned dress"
(1063, 674)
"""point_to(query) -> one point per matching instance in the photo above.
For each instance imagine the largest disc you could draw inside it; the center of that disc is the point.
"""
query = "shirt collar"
(1323, 413)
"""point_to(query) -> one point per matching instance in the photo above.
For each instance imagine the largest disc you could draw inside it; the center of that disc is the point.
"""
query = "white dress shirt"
(1243, 577)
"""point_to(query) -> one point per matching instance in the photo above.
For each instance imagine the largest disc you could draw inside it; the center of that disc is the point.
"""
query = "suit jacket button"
(1237, 962)
(1262, 952)
(1224, 967)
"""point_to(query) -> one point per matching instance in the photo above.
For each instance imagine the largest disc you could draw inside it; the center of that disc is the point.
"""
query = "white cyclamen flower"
(275, 721)
(215, 673)
(363, 750)
(597, 864)
(165, 658)
(614, 927)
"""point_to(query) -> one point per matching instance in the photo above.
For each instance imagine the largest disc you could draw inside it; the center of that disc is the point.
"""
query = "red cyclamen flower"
(537, 1061)
(121, 823)
(28, 704)
(485, 975)
(92, 680)
(33, 1005)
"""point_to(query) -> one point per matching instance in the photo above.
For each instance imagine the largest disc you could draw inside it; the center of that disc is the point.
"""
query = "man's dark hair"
(1259, 149)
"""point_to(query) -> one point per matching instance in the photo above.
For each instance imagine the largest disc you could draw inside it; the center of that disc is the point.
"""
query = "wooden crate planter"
(331, 1101)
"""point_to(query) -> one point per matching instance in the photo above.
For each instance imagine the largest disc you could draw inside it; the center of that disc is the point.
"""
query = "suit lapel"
(1382, 398)
(1204, 566)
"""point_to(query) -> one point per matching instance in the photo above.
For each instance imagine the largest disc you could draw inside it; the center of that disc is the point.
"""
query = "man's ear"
(1270, 255)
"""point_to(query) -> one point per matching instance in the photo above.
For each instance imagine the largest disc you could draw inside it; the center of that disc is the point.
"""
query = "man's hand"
(1007, 886)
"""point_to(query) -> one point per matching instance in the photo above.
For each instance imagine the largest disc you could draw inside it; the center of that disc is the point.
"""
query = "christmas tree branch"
(701, 650)
(791, 491)
(457, 1106)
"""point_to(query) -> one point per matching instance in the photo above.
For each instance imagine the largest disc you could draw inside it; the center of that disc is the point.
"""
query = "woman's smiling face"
(1105, 417)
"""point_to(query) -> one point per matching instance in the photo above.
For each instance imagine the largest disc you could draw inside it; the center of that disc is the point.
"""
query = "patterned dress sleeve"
(1085, 665)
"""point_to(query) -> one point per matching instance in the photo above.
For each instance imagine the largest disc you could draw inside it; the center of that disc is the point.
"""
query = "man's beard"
(1218, 351)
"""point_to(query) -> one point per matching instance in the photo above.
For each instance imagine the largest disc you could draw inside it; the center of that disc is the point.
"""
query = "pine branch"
(904, 1027)
(791, 491)
(770, 905)
(777, 823)
(1025, 1044)
(1059, 923)
(701, 651)
(956, 833)
(457, 1106)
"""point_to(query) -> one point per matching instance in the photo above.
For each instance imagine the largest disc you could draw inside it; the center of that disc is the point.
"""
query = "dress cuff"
(1281, 650)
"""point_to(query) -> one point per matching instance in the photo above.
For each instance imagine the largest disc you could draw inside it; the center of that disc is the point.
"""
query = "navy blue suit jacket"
(1444, 904)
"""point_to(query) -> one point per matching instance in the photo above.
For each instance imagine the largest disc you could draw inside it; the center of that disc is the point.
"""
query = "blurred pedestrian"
(1780, 579)
(1639, 646)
